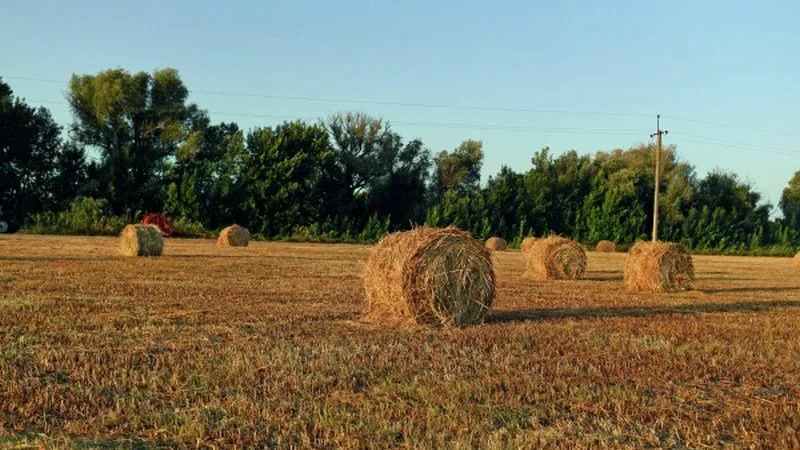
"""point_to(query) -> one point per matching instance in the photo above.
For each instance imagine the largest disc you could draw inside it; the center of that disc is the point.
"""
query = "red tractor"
(161, 221)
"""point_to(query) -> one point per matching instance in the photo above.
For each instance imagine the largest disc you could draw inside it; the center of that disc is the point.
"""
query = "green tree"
(205, 179)
(729, 215)
(790, 202)
(399, 193)
(506, 203)
(459, 170)
(283, 169)
(137, 121)
(36, 169)
(357, 141)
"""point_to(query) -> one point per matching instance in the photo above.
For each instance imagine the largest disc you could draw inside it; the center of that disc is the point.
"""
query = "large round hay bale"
(527, 243)
(234, 236)
(555, 258)
(606, 247)
(429, 276)
(141, 240)
(496, 244)
(658, 267)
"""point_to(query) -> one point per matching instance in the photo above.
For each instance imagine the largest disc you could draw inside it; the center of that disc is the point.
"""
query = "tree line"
(346, 177)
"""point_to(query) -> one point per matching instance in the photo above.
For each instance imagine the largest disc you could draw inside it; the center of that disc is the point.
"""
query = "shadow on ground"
(565, 313)
(749, 289)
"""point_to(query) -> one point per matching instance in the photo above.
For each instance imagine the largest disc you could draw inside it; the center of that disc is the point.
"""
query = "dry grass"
(555, 258)
(496, 244)
(208, 347)
(658, 267)
(234, 236)
(527, 243)
(141, 240)
(428, 276)
(606, 247)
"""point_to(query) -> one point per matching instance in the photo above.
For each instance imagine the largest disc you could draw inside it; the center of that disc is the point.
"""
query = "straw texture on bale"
(234, 236)
(429, 276)
(658, 267)
(555, 258)
(796, 260)
(606, 247)
(497, 244)
(527, 243)
(141, 240)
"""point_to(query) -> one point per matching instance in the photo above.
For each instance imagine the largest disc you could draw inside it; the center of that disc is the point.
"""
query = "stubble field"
(264, 347)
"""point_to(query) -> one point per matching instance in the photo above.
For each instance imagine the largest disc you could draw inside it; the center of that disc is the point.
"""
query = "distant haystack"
(234, 236)
(527, 243)
(496, 244)
(658, 267)
(606, 247)
(429, 276)
(141, 240)
(796, 260)
(555, 258)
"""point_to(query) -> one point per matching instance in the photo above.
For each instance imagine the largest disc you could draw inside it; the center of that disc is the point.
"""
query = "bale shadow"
(577, 313)
(217, 256)
(618, 277)
(749, 289)
(725, 278)
(54, 258)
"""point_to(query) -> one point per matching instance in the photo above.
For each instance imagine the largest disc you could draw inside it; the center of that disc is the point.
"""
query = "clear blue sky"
(728, 63)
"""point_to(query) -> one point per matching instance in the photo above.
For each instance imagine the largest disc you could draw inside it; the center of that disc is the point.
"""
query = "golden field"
(263, 346)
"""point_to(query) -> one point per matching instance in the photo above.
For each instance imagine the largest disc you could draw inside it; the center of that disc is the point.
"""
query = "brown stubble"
(262, 346)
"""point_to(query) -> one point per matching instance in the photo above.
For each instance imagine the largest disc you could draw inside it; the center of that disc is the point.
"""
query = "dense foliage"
(349, 177)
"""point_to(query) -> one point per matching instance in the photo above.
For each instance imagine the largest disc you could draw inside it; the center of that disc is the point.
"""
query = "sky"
(519, 75)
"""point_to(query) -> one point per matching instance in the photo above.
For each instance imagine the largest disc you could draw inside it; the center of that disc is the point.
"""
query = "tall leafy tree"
(36, 169)
(283, 169)
(205, 180)
(357, 141)
(398, 192)
(459, 170)
(790, 202)
(137, 121)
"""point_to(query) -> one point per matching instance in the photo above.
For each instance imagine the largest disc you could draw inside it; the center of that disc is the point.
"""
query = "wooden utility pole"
(659, 132)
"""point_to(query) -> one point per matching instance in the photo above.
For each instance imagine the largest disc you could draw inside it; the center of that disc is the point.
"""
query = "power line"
(461, 126)
(723, 141)
(711, 142)
(447, 106)
(384, 103)
(734, 127)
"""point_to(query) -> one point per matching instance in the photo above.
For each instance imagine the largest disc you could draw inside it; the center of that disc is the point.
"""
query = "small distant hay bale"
(527, 243)
(555, 258)
(606, 247)
(658, 267)
(429, 276)
(234, 236)
(496, 244)
(141, 240)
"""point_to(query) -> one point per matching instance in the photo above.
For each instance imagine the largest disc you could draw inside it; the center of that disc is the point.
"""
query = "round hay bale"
(429, 276)
(141, 240)
(658, 267)
(527, 243)
(555, 258)
(796, 260)
(606, 247)
(234, 236)
(496, 244)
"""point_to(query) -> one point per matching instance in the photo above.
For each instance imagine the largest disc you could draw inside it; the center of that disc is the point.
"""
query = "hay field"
(216, 347)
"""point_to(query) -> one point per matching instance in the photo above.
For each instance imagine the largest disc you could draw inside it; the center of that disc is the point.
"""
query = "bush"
(188, 228)
(85, 215)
